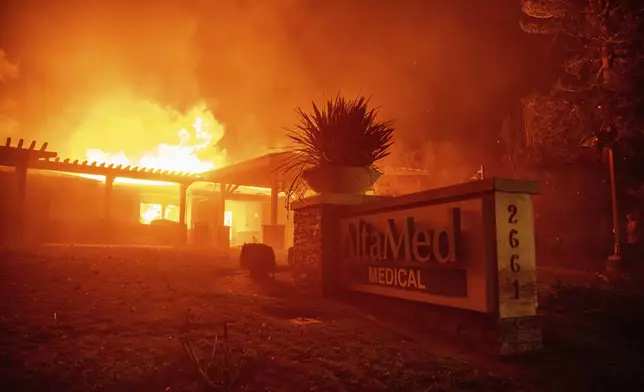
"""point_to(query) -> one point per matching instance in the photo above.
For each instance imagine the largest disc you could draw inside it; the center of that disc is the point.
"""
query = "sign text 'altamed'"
(403, 241)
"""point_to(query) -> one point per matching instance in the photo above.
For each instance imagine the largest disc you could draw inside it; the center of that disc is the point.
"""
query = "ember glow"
(152, 211)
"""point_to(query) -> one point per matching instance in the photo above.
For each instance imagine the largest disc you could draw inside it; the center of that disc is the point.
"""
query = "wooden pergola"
(22, 159)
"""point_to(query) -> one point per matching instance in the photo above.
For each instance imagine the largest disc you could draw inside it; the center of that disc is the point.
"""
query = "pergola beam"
(104, 169)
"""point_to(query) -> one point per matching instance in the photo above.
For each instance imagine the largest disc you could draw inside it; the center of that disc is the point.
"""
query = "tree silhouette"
(598, 47)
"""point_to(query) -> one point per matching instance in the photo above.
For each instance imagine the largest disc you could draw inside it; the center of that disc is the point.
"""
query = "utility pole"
(606, 140)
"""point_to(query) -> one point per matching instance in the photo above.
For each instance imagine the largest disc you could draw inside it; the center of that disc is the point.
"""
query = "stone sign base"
(519, 335)
(390, 249)
(460, 330)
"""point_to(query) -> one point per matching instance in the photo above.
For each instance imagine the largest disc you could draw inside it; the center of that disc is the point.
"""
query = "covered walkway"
(266, 171)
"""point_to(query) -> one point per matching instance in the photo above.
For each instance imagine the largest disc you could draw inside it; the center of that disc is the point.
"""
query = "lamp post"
(606, 140)
(615, 258)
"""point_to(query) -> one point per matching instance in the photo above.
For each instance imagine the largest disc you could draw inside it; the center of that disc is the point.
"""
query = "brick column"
(307, 243)
(316, 238)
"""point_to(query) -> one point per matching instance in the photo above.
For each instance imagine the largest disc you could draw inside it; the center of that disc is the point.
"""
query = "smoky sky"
(443, 70)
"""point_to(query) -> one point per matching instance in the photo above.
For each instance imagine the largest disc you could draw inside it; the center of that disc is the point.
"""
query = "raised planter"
(339, 179)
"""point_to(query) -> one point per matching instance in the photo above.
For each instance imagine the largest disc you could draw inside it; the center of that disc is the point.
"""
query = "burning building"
(50, 200)
(173, 194)
(152, 195)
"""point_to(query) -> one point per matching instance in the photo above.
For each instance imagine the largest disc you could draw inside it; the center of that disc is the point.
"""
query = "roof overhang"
(263, 171)
(266, 170)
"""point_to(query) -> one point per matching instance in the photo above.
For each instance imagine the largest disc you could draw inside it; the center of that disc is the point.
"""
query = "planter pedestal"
(341, 180)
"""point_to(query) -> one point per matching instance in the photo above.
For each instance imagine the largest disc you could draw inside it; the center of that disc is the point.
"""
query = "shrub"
(257, 258)
(344, 133)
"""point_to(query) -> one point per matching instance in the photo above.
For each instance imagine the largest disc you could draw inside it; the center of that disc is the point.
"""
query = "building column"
(221, 232)
(183, 197)
(274, 199)
(221, 206)
(274, 234)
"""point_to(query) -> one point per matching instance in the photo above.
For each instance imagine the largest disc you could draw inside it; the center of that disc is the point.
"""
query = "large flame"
(183, 156)
(147, 142)
(125, 131)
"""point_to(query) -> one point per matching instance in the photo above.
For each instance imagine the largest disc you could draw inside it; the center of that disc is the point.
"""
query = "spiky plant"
(344, 133)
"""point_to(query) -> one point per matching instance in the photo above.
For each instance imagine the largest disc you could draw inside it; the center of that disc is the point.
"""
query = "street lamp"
(600, 141)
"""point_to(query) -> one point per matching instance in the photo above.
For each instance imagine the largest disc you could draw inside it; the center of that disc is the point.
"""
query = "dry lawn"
(109, 319)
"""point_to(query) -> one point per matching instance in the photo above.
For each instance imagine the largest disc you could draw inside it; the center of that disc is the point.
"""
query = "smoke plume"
(8, 72)
(444, 71)
(7, 69)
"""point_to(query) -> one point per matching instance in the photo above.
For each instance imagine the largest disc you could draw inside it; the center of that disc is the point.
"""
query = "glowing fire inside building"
(183, 157)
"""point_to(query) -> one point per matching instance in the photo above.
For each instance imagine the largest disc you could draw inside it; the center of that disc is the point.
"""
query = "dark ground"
(109, 319)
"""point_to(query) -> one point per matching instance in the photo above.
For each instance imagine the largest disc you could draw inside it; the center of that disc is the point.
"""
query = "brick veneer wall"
(307, 244)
